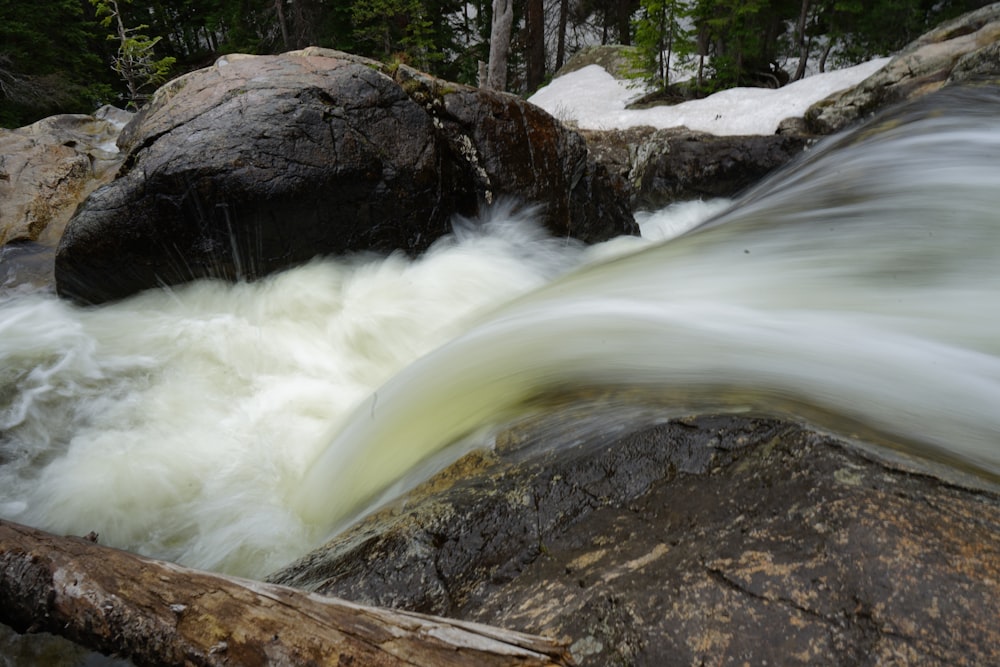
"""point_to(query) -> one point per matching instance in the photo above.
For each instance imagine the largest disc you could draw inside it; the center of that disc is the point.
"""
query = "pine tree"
(661, 39)
(134, 62)
(395, 30)
(48, 61)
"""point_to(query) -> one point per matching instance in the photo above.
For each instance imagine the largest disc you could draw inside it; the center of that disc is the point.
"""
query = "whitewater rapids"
(233, 427)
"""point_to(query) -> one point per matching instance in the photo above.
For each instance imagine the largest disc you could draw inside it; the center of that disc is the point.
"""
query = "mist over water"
(232, 427)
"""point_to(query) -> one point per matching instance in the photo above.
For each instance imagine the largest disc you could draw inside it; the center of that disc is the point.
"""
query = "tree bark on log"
(159, 613)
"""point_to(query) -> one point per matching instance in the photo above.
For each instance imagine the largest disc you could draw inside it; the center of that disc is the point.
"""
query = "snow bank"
(595, 100)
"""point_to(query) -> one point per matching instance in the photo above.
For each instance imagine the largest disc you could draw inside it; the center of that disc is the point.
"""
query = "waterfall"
(861, 286)
(233, 427)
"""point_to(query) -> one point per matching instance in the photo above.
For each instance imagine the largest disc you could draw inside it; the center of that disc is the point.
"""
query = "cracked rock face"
(262, 162)
(710, 540)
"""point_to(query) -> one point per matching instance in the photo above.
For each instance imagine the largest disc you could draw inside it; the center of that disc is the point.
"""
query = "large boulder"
(958, 50)
(689, 542)
(49, 167)
(259, 163)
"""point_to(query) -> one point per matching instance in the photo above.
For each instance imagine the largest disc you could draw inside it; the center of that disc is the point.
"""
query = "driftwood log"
(158, 613)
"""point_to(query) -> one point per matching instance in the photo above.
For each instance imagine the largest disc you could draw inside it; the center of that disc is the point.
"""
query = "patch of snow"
(593, 99)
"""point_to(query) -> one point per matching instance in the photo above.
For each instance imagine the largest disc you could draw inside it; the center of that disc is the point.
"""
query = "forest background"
(72, 56)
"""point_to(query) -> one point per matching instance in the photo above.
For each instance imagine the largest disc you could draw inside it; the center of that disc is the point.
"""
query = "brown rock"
(48, 168)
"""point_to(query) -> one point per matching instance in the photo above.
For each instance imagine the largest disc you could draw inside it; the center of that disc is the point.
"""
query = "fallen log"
(159, 613)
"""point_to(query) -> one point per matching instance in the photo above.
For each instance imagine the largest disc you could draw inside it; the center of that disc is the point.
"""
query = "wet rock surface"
(709, 540)
(262, 162)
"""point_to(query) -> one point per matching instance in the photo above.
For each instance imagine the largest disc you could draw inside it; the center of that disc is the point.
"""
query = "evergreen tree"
(53, 53)
(612, 17)
(661, 39)
(400, 30)
(134, 61)
(49, 61)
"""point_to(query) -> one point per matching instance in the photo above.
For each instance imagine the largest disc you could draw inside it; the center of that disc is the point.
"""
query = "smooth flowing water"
(233, 427)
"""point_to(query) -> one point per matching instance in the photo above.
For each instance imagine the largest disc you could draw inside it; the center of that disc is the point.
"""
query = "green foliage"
(744, 40)
(863, 29)
(135, 61)
(399, 30)
(662, 40)
(48, 58)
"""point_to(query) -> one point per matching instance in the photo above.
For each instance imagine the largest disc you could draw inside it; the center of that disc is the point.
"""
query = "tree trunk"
(536, 44)
(158, 613)
(503, 19)
(279, 7)
(623, 20)
(561, 38)
(803, 43)
(825, 55)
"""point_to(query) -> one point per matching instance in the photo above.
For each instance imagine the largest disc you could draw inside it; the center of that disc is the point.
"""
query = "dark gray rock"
(698, 541)
(512, 147)
(260, 163)
(675, 166)
(666, 166)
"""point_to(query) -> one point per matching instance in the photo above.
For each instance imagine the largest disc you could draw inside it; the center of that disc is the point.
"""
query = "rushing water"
(233, 427)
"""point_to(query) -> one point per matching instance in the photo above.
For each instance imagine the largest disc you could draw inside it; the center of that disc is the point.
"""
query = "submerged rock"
(689, 542)
(262, 162)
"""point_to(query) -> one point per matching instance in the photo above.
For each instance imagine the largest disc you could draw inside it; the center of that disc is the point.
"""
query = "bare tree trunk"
(303, 24)
(536, 44)
(279, 7)
(803, 43)
(503, 20)
(158, 613)
(561, 37)
(623, 20)
(825, 55)
(482, 75)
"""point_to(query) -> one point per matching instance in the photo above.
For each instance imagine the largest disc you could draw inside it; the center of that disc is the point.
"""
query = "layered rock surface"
(666, 166)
